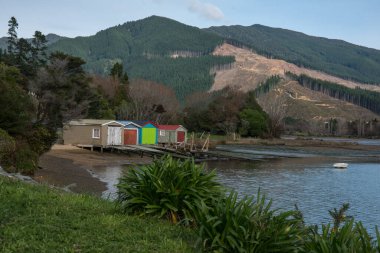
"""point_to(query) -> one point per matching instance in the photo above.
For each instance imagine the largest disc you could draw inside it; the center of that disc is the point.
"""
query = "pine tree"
(12, 35)
(38, 48)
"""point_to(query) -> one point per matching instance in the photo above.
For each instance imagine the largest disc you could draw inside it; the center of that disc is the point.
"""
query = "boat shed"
(149, 132)
(93, 132)
(132, 132)
(171, 134)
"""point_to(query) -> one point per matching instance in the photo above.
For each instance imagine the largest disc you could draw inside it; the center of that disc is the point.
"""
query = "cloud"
(205, 10)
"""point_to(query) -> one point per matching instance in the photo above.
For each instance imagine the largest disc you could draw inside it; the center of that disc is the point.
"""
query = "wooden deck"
(158, 151)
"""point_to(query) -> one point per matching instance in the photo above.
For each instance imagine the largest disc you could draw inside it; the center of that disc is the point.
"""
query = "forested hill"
(152, 36)
(335, 57)
(147, 49)
(51, 38)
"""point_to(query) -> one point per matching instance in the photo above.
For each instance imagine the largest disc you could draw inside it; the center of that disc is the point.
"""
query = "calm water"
(308, 180)
(299, 176)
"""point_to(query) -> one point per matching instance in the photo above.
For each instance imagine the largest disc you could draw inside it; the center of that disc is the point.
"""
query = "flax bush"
(248, 225)
(168, 188)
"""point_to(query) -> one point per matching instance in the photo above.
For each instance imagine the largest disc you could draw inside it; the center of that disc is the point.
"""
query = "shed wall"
(81, 135)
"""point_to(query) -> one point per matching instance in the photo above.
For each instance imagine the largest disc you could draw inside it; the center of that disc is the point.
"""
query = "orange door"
(180, 136)
(130, 137)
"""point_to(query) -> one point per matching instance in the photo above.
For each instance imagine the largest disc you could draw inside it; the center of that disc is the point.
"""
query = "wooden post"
(206, 144)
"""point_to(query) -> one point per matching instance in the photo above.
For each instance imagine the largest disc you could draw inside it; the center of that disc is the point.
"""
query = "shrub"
(248, 225)
(351, 237)
(26, 160)
(7, 148)
(168, 188)
(40, 139)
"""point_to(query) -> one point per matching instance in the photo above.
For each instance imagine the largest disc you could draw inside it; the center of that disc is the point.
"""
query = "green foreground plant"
(248, 225)
(169, 188)
(183, 192)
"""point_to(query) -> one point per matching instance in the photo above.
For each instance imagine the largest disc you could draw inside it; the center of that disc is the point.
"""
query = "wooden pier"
(158, 151)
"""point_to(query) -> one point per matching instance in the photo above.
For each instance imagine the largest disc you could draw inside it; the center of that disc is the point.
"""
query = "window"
(162, 133)
(96, 133)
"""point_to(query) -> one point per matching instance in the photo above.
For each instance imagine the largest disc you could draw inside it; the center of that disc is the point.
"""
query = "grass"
(41, 219)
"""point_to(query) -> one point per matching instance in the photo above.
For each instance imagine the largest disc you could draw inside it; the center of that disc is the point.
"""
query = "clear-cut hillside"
(302, 103)
(250, 69)
(335, 57)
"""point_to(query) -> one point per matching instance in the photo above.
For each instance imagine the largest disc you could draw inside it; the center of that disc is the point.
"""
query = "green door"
(149, 136)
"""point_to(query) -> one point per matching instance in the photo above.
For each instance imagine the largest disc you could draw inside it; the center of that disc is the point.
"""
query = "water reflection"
(308, 180)
(311, 183)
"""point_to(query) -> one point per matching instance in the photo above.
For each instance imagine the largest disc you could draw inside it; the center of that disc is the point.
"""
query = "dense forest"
(364, 98)
(155, 48)
(335, 57)
(183, 75)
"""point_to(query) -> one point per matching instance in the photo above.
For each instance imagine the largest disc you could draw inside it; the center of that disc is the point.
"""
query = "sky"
(355, 21)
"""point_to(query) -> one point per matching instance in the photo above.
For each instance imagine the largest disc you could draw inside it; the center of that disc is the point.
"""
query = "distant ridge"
(51, 38)
(335, 57)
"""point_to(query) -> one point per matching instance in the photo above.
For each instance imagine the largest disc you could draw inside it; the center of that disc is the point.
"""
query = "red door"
(130, 136)
(180, 136)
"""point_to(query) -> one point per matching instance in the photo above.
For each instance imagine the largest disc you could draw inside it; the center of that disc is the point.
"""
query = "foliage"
(335, 57)
(99, 108)
(184, 75)
(61, 90)
(27, 55)
(117, 71)
(351, 237)
(224, 112)
(168, 188)
(145, 49)
(253, 123)
(12, 35)
(151, 36)
(25, 160)
(40, 138)
(267, 85)
(248, 225)
(36, 218)
(16, 108)
(361, 97)
(7, 149)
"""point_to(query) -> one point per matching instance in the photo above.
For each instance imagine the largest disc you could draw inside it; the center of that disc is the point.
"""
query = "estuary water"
(294, 175)
(306, 178)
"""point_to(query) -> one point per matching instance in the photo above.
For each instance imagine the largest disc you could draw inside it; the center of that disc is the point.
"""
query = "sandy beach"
(76, 169)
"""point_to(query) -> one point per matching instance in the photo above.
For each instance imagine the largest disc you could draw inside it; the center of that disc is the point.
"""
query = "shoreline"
(306, 143)
(84, 171)
(80, 170)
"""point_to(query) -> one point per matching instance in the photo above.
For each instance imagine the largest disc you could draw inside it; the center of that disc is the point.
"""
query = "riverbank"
(37, 218)
(80, 170)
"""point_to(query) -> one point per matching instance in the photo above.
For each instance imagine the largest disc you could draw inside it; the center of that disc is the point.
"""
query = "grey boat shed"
(93, 132)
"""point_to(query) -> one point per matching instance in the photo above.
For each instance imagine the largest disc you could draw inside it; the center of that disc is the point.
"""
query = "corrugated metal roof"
(83, 122)
(128, 122)
(144, 122)
(168, 127)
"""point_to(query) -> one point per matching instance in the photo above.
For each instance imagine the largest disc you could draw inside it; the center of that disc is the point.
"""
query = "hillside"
(303, 103)
(335, 57)
(251, 69)
(51, 38)
(154, 48)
